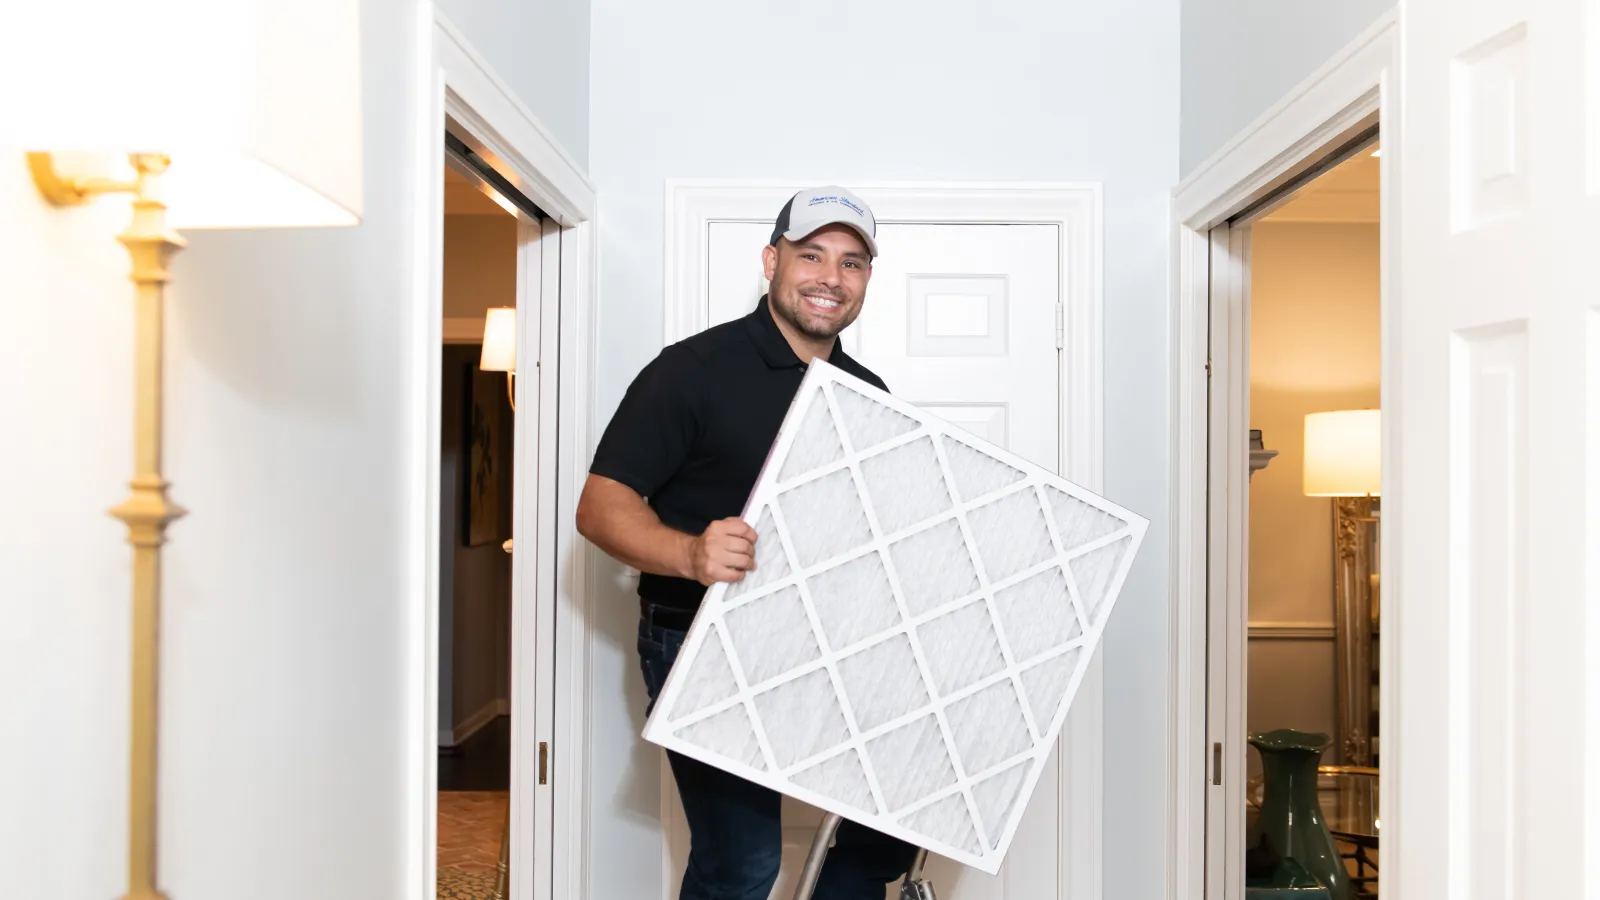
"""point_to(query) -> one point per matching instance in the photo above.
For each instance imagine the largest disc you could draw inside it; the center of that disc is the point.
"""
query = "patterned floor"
(470, 827)
(455, 884)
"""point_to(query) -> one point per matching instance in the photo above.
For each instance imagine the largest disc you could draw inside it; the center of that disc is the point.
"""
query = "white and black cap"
(815, 208)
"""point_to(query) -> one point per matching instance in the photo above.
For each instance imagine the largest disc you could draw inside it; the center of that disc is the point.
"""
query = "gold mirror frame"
(1355, 620)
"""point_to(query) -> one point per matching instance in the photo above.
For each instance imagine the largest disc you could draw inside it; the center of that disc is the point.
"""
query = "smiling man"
(665, 492)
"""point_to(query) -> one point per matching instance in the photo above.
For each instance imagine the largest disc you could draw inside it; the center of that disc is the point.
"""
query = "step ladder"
(915, 887)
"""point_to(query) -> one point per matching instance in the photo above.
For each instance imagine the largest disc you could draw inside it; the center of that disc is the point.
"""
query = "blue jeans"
(735, 830)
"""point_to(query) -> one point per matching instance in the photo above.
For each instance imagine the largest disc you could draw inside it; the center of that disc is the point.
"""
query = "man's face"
(819, 283)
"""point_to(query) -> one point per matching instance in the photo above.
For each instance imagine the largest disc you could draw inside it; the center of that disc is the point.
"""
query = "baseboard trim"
(474, 723)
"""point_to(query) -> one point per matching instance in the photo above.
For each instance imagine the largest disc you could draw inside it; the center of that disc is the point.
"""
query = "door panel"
(961, 320)
(1487, 459)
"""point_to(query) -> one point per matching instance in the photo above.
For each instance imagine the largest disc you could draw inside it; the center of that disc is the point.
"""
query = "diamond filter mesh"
(922, 610)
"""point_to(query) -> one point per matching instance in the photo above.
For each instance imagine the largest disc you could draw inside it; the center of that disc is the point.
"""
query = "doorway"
(1275, 568)
(1292, 672)
(477, 459)
(499, 276)
(1311, 586)
(471, 123)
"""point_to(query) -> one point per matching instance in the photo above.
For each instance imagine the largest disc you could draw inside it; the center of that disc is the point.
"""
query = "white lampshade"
(499, 340)
(256, 102)
(1343, 453)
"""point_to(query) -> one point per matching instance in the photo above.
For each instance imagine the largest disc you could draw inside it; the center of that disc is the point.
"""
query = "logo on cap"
(859, 216)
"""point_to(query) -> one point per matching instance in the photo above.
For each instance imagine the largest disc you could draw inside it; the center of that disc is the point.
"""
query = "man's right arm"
(647, 440)
(616, 519)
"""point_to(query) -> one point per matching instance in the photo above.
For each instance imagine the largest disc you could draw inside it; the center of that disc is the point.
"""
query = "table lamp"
(237, 114)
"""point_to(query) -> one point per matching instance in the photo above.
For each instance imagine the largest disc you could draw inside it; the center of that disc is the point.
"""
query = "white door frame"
(692, 206)
(555, 264)
(1355, 89)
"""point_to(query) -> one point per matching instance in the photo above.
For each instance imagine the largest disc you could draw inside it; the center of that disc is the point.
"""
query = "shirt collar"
(771, 343)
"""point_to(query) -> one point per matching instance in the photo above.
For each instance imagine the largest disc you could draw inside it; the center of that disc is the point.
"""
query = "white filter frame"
(984, 851)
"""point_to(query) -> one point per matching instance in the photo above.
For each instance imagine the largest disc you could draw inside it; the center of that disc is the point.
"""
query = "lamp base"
(150, 242)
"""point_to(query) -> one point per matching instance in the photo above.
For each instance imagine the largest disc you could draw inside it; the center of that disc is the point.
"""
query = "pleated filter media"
(921, 613)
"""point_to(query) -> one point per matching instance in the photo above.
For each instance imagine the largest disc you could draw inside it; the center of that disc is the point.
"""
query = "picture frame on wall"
(483, 456)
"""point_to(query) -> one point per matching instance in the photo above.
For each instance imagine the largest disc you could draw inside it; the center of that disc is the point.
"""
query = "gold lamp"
(237, 114)
(500, 347)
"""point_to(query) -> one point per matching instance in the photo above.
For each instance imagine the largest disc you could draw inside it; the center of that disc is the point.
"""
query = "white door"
(961, 320)
(1492, 753)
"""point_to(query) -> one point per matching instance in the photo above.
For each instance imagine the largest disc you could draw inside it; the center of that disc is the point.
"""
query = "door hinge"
(1061, 327)
(1208, 368)
(544, 762)
(1216, 763)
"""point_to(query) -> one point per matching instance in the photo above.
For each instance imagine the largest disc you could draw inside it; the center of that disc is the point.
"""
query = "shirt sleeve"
(650, 435)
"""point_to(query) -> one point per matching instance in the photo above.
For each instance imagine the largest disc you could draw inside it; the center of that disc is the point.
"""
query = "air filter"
(922, 611)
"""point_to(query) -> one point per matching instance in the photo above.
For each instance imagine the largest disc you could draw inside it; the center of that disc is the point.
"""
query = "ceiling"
(463, 198)
(1346, 193)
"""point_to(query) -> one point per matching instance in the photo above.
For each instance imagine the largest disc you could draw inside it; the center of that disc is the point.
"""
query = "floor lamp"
(208, 115)
(1343, 452)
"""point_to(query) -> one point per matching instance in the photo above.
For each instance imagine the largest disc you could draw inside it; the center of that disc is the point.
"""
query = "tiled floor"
(473, 783)
(470, 827)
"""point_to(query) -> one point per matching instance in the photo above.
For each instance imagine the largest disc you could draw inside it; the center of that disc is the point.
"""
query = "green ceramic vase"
(1291, 819)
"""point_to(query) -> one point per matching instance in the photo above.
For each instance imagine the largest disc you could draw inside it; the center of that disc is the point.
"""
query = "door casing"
(456, 88)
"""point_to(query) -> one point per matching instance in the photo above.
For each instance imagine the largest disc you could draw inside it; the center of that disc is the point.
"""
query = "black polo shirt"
(696, 425)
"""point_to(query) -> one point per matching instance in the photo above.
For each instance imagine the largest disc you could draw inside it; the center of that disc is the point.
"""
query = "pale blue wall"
(541, 49)
(1241, 56)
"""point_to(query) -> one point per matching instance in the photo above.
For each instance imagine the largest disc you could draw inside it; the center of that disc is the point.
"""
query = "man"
(668, 483)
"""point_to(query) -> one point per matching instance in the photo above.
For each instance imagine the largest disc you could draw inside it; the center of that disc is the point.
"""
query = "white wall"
(63, 564)
(1241, 56)
(896, 90)
(286, 633)
(541, 49)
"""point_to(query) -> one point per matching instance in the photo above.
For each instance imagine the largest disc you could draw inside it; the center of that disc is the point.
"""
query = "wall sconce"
(232, 115)
(1343, 460)
(500, 347)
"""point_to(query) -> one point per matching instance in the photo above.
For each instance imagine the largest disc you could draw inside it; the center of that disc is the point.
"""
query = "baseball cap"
(814, 208)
